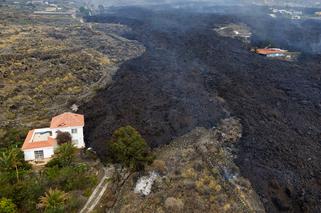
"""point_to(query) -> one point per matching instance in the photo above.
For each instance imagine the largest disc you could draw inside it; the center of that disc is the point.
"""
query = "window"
(39, 155)
(73, 131)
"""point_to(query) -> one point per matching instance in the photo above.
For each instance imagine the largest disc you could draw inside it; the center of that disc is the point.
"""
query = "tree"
(7, 206)
(53, 201)
(82, 9)
(63, 137)
(15, 161)
(12, 160)
(64, 156)
(128, 148)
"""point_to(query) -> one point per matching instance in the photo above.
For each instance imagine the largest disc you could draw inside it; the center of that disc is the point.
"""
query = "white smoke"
(291, 3)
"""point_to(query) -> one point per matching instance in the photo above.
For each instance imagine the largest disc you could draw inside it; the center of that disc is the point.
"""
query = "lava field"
(189, 76)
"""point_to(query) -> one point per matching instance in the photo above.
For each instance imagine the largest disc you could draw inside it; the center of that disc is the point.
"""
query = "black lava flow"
(173, 88)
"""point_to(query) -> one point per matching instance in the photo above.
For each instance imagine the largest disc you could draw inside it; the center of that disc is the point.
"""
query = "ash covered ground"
(191, 77)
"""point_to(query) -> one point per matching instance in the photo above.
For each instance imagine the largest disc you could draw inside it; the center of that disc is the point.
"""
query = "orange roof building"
(41, 143)
(32, 143)
(268, 51)
(67, 120)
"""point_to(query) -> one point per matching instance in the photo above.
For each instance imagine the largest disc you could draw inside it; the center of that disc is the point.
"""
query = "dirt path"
(98, 192)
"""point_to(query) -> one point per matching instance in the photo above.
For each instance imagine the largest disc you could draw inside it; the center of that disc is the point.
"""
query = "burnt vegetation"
(189, 76)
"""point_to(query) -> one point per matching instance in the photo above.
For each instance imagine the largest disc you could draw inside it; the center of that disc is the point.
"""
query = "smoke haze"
(290, 3)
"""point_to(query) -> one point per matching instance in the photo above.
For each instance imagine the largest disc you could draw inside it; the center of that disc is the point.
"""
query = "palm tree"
(15, 161)
(53, 201)
(10, 160)
(5, 161)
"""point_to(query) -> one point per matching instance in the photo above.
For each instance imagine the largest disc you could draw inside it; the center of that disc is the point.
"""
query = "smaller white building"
(40, 144)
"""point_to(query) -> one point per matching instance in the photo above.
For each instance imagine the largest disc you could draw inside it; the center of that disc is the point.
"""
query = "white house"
(41, 143)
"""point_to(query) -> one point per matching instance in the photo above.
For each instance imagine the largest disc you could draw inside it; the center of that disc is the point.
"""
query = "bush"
(73, 203)
(53, 201)
(159, 166)
(173, 204)
(128, 148)
(12, 138)
(26, 193)
(89, 154)
(22, 187)
(12, 161)
(70, 178)
(64, 156)
(7, 206)
(63, 137)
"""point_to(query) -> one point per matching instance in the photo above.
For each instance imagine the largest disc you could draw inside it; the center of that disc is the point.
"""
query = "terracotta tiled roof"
(267, 51)
(28, 144)
(66, 120)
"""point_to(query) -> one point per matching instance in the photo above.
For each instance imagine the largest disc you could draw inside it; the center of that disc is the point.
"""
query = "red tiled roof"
(267, 51)
(67, 119)
(28, 144)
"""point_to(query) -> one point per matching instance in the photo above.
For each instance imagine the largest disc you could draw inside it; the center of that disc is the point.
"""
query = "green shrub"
(12, 160)
(7, 206)
(64, 156)
(70, 178)
(23, 187)
(128, 148)
(89, 154)
(73, 203)
(63, 137)
(53, 201)
(27, 192)
(12, 138)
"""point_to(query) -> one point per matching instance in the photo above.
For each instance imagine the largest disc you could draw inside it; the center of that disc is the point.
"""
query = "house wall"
(30, 153)
(77, 138)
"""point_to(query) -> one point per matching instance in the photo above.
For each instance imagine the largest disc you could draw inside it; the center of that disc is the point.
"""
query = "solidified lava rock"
(174, 86)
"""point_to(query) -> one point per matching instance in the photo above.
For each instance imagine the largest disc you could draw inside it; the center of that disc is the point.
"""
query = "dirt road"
(98, 191)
